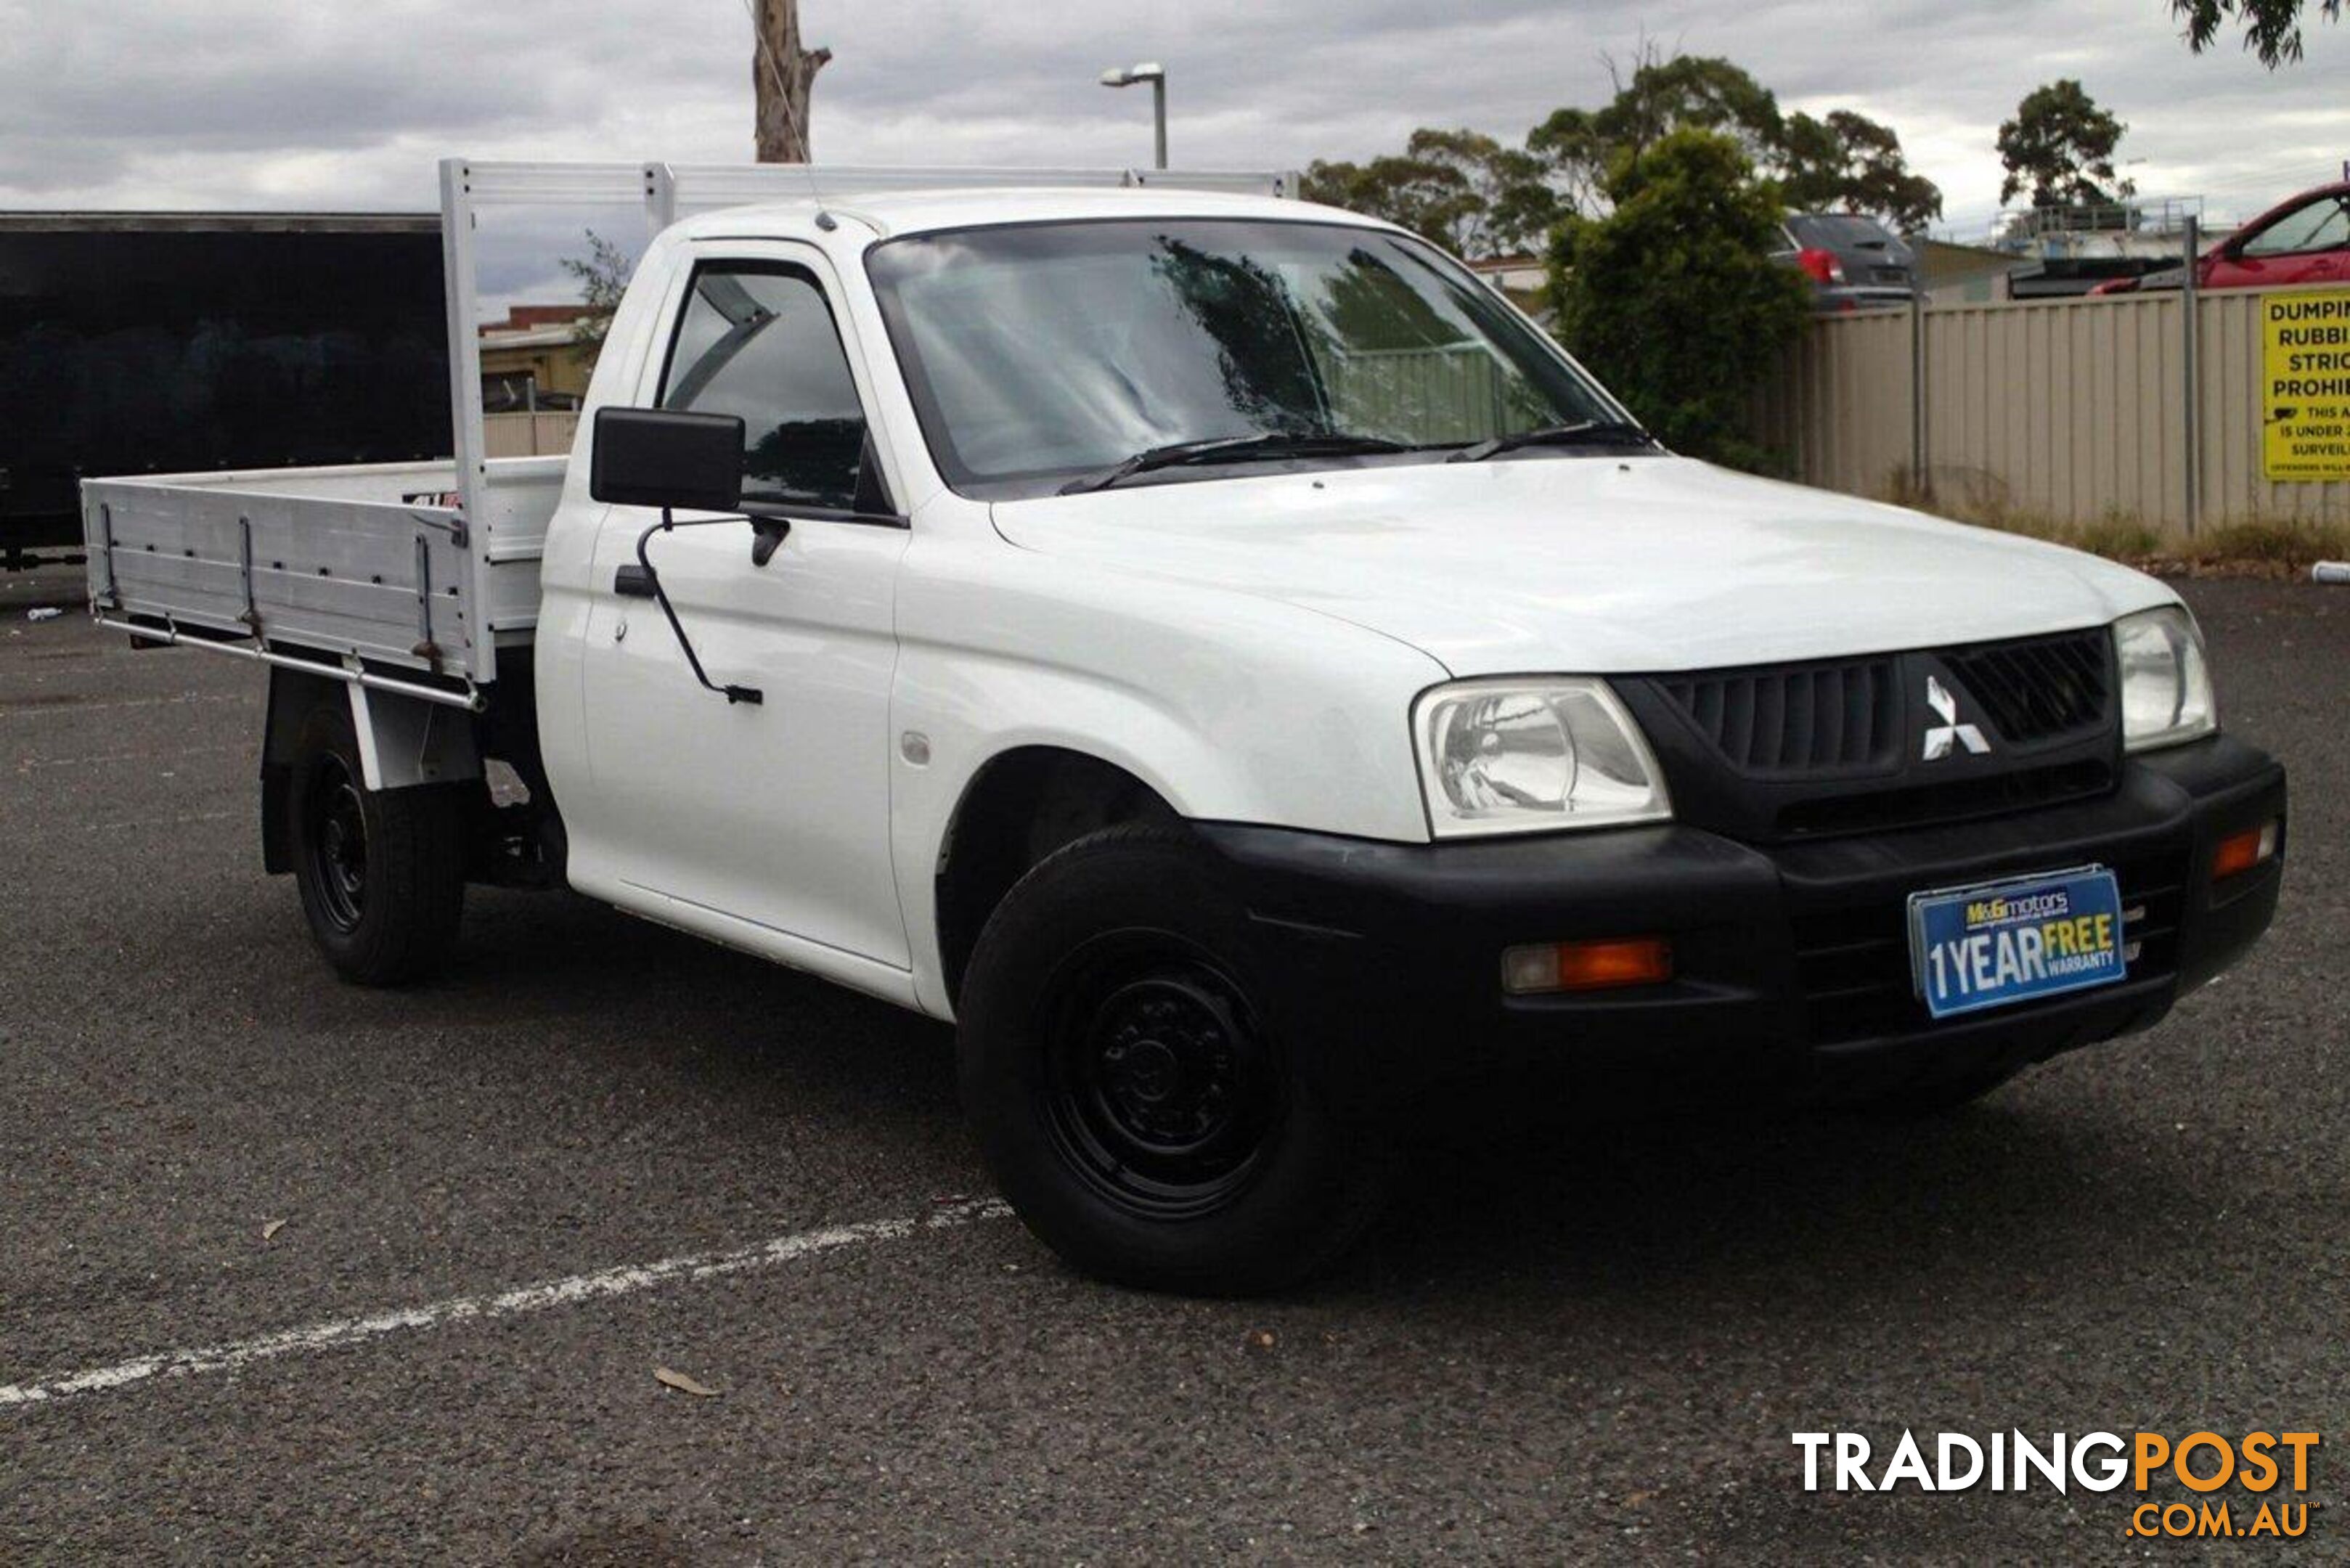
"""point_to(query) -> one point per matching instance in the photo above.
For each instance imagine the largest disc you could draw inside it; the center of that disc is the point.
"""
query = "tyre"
(381, 872)
(1126, 1091)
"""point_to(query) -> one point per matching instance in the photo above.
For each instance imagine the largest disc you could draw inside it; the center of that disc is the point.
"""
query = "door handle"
(634, 582)
(766, 533)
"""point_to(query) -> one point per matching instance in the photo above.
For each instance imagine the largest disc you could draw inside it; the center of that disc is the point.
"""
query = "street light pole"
(1154, 73)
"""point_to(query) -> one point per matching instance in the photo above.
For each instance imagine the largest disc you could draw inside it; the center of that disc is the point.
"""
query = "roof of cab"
(893, 212)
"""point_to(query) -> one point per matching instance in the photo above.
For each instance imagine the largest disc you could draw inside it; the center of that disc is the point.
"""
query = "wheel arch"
(404, 742)
(292, 695)
(1018, 808)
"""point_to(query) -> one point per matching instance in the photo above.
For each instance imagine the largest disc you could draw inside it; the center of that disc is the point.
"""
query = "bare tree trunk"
(783, 73)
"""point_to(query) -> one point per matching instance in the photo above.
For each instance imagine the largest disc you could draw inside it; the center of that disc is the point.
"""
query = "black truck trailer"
(169, 342)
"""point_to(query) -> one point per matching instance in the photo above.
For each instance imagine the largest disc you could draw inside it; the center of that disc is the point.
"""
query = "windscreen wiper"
(1235, 449)
(1582, 432)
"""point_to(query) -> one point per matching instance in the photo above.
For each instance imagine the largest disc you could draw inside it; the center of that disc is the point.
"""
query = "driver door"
(775, 813)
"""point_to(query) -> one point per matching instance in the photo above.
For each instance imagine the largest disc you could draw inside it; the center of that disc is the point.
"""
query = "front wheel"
(1127, 1089)
(381, 872)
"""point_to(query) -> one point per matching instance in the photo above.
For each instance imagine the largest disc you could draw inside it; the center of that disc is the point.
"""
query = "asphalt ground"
(1584, 1340)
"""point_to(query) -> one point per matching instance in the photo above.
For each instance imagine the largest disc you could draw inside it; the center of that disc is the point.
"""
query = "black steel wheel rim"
(337, 842)
(1159, 1087)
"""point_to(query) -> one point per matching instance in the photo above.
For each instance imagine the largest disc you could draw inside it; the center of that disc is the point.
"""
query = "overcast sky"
(317, 103)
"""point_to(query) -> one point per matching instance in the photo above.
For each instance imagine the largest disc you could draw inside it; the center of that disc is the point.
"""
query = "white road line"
(49, 709)
(626, 1279)
(180, 820)
(27, 764)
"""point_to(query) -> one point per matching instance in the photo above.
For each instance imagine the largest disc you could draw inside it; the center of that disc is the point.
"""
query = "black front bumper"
(1791, 963)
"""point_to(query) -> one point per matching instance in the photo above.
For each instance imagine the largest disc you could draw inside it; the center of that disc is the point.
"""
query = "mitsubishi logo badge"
(1949, 732)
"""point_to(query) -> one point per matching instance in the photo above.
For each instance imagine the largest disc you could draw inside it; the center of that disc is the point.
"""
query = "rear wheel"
(381, 872)
(1126, 1088)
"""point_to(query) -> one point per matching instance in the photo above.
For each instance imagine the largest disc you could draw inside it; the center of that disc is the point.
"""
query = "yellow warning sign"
(2305, 384)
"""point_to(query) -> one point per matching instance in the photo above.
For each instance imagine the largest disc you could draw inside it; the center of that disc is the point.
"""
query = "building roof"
(535, 327)
(524, 318)
(1943, 261)
(496, 336)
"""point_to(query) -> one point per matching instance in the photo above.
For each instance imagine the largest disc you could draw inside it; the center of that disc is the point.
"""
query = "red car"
(2305, 240)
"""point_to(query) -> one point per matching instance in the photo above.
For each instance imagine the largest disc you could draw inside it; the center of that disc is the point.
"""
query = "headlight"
(2166, 685)
(1530, 756)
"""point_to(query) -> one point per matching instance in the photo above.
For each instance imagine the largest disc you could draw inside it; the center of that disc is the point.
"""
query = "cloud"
(288, 103)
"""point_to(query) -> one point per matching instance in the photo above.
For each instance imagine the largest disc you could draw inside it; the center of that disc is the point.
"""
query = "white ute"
(1220, 655)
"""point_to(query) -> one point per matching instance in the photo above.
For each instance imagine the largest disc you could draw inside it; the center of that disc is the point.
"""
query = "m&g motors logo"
(2253, 1485)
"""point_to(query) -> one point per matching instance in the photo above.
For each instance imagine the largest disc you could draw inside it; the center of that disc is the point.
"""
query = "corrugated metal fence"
(2071, 409)
(529, 435)
(1451, 393)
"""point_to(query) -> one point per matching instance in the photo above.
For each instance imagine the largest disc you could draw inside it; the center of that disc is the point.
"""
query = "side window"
(2322, 225)
(757, 339)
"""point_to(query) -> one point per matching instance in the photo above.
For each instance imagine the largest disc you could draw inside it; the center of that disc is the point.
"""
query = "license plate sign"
(2010, 941)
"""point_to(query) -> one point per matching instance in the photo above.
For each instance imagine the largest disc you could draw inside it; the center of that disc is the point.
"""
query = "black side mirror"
(660, 457)
(657, 457)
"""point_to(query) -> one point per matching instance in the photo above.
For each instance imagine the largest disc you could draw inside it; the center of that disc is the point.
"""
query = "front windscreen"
(1040, 352)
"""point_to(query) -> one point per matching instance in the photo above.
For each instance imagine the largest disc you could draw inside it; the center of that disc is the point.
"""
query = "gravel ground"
(1564, 1345)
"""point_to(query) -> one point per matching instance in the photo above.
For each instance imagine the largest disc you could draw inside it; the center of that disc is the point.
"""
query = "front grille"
(1953, 800)
(1773, 753)
(1852, 963)
(2041, 689)
(1798, 719)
